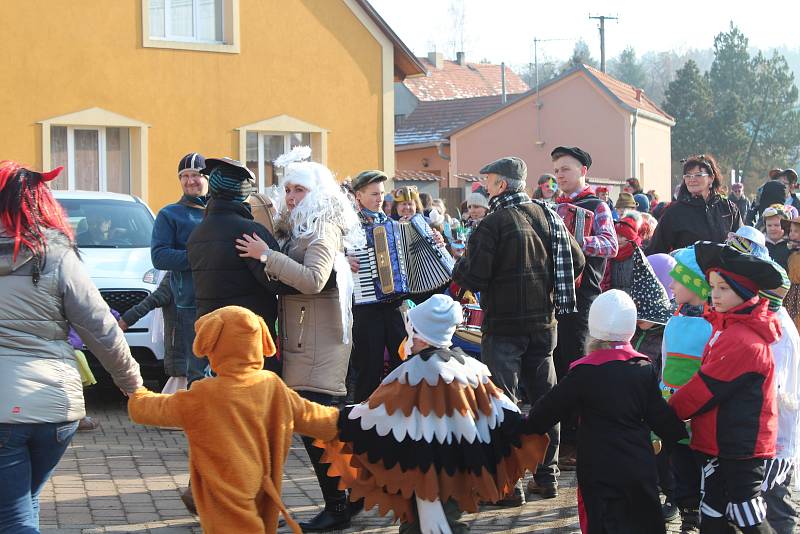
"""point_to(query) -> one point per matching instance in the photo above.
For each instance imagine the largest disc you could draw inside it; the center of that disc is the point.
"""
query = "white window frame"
(102, 169)
(282, 125)
(287, 143)
(195, 20)
(230, 31)
(97, 117)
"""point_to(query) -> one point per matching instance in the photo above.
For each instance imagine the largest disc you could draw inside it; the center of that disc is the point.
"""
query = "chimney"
(436, 59)
(638, 94)
(461, 58)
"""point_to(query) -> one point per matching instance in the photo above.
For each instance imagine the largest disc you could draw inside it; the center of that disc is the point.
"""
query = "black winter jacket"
(221, 277)
(690, 219)
(508, 260)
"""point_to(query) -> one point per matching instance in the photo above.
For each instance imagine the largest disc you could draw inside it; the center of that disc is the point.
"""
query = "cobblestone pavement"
(127, 478)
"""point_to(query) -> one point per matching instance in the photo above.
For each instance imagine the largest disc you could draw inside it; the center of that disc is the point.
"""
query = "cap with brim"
(510, 167)
(232, 167)
(191, 162)
(776, 210)
(575, 152)
(406, 193)
(368, 177)
(762, 274)
(625, 201)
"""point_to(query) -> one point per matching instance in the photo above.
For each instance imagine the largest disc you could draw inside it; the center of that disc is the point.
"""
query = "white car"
(113, 234)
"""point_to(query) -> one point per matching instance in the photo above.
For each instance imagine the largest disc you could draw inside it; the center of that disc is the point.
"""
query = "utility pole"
(602, 19)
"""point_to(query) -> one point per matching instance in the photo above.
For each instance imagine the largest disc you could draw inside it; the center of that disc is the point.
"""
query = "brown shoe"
(87, 424)
(188, 500)
(547, 491)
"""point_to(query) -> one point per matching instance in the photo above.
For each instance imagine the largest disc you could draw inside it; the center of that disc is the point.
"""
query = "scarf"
(577, 195)
(378, 217)
(563, 274)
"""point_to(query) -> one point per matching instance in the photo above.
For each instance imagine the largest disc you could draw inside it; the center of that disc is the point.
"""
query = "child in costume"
(615, 392)
(685, 337)
(731, 398)
(437, 436)
(792, 300)
(776, 242)
(239, 425)
(619, 272)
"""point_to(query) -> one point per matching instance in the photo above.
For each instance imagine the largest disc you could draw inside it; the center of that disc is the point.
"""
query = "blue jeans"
(184, 330)
(29, 452)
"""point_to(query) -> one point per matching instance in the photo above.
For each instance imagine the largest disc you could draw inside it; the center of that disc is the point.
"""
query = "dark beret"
(575, 152)
(510, 167)
(365, 178)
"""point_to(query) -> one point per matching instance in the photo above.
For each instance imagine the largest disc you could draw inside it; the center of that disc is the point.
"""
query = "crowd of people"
(658, 349)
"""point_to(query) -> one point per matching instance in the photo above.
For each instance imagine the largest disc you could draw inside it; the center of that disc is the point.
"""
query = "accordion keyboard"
(363, 287)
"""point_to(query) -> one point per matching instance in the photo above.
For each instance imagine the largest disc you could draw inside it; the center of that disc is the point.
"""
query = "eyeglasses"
(696, 175)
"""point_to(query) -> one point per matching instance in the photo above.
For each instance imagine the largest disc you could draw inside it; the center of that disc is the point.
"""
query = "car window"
(101, 223)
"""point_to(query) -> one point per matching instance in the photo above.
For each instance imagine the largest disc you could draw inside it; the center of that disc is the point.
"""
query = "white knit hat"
(612, 317)
(476, 199)
(435, 320)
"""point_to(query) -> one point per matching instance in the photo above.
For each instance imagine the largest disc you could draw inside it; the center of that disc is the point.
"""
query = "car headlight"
(150, 277)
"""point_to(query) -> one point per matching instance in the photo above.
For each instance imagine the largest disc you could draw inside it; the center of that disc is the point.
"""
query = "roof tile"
(463, 81)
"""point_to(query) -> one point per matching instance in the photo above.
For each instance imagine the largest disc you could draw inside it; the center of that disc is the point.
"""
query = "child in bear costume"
(435, 431)
(239, 424)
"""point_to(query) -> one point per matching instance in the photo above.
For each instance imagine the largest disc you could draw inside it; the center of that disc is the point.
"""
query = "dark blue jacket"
(174, 223)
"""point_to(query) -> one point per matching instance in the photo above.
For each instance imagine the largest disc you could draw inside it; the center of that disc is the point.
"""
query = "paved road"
(127, 478)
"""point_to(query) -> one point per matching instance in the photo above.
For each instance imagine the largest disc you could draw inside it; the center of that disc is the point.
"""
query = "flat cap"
(511, 167)
(365, 178)
(575, 152)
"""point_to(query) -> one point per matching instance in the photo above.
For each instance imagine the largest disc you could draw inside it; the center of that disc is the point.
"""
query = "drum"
(473, 318)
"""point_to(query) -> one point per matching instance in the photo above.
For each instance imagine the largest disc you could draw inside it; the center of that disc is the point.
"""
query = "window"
(210, 25)
(191, 20)
(103, 223)
(95, 158)
(263, 148)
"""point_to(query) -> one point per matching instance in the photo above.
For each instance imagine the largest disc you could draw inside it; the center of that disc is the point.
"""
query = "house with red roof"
(627, 134)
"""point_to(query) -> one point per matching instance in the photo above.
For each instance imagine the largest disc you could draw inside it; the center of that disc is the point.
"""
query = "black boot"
(333, 517)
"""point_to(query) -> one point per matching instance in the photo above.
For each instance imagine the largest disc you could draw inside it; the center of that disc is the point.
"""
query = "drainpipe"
(446, 157)
(633, 144)
(503, 81)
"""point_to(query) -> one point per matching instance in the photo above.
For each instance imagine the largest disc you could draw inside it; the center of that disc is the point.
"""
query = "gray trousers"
(781, 513)
(527, 358)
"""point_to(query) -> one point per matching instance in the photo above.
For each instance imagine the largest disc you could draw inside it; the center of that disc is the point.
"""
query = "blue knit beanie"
(642, 202)
(435, 320)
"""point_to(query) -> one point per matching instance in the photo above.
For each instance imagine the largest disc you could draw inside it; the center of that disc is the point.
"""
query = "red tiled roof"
(416, 176)
(630, 95)
(463, 81)
(431, 121)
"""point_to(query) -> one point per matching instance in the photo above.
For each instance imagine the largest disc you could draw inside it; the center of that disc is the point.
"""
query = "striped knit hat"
(228, 179)
(191, 162)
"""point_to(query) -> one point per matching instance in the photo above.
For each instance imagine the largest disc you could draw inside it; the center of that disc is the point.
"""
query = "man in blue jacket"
(171, 231)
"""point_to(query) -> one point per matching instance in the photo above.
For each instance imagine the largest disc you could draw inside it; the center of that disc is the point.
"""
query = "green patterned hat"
(688, 273)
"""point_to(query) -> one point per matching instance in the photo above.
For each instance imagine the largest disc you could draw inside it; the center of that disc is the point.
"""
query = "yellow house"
(117, 91)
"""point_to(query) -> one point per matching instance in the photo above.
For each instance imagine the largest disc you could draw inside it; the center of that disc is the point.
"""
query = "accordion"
(400, 259)
(577, 220)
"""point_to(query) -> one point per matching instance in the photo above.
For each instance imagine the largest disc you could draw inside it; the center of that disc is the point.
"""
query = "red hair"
(27, 209)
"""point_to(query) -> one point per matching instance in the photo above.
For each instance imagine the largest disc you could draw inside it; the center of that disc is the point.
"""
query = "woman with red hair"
(41, 398)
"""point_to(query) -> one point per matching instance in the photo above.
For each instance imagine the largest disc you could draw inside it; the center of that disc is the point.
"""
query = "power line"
(602, 28)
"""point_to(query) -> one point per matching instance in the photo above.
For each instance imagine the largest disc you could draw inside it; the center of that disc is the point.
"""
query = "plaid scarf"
(563, 275)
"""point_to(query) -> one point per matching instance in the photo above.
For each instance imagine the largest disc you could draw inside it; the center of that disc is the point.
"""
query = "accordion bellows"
(438, 429)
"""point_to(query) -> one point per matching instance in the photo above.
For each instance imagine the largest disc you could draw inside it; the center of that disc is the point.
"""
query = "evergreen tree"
(580, 56)
(628, 69)
(688, 100)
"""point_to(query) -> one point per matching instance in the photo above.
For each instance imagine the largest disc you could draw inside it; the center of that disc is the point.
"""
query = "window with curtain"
(264, 147)
(94, 158)
(187, 20)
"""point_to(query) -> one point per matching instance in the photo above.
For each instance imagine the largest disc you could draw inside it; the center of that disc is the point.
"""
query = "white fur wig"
(324, 202)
